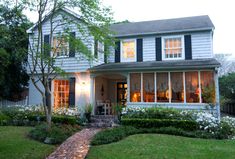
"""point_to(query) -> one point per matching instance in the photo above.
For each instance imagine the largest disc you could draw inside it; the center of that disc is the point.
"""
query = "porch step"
(103, 121)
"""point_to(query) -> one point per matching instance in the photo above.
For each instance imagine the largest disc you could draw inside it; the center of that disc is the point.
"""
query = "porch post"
(217, 99)
(92, 92)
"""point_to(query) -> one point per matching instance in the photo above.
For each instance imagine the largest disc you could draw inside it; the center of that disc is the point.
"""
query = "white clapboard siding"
(149, 49)
(70, 64)
(202, 45)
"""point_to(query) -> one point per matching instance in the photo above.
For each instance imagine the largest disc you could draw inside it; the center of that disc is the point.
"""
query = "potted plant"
(88, 110)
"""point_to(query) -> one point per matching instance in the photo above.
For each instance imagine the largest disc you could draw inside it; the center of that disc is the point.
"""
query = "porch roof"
(158, 65)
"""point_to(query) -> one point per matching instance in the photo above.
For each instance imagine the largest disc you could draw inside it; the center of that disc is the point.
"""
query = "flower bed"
(33, 115)
(204, 122)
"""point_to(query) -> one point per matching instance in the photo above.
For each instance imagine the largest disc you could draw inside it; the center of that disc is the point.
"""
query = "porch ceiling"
(158, 65)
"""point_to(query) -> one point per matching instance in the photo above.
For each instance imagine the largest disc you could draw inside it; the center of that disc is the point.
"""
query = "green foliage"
(157, 123)
(113, 135)
(118, 133)
(156, 113)
(16, 116)
(227, 86)
(57, 134)
(208, 94)
(88, 111)
(13, 52)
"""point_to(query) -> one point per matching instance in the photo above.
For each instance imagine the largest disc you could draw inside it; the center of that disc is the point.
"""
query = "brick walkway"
(75, 147)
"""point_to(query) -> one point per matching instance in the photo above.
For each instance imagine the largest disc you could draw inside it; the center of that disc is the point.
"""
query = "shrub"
(56, 135)
(3, 119)
(157, 123)
(113, 135)
(155, 113)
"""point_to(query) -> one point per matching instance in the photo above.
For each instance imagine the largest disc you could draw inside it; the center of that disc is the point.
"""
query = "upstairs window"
(128, 50)
(60, 46)
(98, 48)
(173, 48)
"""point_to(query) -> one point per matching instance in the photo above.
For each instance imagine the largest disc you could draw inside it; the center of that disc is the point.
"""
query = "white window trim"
(182, 45)
(121, 53)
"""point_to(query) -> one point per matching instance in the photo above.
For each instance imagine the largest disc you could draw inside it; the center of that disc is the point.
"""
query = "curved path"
(76, 146)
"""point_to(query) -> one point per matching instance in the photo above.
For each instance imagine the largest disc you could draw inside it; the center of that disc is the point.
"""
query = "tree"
(227, 86)
(13, 44)
(94, 21)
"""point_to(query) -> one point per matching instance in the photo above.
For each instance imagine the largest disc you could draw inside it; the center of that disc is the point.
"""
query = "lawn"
(14, 144)
(155, 146)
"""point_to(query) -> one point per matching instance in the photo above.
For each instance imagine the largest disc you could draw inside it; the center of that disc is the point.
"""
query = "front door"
(121, 93)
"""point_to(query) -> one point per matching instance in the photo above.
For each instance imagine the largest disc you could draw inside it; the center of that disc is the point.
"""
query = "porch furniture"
(104, 107)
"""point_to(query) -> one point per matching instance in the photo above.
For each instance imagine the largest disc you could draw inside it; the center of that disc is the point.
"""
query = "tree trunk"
(47, 108)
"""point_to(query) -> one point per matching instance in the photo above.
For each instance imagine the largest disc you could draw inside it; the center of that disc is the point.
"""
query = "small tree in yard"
(94, 20)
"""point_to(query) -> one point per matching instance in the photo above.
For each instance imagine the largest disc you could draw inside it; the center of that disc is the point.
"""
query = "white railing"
(4, 103)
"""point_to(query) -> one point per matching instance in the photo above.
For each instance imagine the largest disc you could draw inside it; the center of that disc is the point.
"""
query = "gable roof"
(196, 23)
(158, 65)
(66, 10)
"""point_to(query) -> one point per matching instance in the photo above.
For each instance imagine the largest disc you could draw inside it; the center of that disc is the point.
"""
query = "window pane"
(61, 93)
(60, 46)
(135, 80)
(162, 87)
(148, 86)
(177, 87)
(173, 48)
(192, 87)
(128, 49)
(207, 86)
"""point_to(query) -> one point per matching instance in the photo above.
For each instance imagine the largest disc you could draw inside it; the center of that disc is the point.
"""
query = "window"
(162, 87)
(61, 93)
(192, 87)
(177, 87)
(135, 87)
(173, 48)
(60, 46)
(98, 48)
(207, 86)
(148, 86)
(128, 51)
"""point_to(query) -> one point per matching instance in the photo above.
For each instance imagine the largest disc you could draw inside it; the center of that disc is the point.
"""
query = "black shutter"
(139, 48)
(158, 44)
(188, 47)
(49, 82)
(72, 92)
(47, 46)
(105, 53)
(71, 44)
(96, 49)
(117, 51)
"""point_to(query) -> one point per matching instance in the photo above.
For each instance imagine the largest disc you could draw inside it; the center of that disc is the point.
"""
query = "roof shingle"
(196, 23)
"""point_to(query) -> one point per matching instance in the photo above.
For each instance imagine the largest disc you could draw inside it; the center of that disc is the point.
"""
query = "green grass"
(155, 146)
(14, 144)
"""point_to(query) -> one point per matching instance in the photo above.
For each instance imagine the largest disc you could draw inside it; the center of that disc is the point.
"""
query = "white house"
(169, 63)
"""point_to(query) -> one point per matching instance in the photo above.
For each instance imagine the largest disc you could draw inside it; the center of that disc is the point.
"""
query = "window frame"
(67, 45)
(182, 46)
(200, 102)
(121, 51)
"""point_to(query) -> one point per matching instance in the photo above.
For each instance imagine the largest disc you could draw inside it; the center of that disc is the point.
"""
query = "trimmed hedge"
(118, 133)
(57, 134)
(157, 123)
(113, 135)
(32, 120)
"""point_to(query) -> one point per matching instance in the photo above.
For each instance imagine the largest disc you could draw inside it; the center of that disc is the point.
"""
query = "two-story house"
(167, 63)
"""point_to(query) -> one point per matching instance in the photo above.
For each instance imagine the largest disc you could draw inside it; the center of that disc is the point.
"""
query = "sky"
(221, 12)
